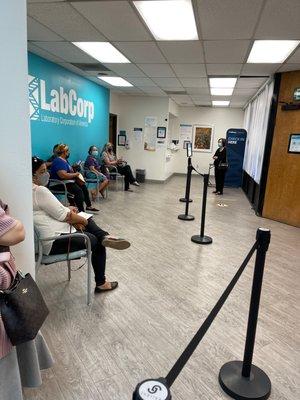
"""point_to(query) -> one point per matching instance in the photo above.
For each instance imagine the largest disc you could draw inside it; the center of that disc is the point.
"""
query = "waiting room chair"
(42, 259)
(60, 193)
(115, 176)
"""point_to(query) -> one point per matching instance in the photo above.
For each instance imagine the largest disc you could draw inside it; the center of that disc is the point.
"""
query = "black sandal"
(114, 285)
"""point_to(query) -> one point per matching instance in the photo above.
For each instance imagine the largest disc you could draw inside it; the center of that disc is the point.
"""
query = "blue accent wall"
(65, 108)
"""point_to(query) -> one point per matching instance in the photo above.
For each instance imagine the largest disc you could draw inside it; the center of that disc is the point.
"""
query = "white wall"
(133, 110)
(15, 158)
(221, 118)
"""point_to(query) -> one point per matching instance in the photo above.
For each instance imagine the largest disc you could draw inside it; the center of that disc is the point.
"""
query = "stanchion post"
(186, 216)
(243, 380)
(186, 198)
(202, 239)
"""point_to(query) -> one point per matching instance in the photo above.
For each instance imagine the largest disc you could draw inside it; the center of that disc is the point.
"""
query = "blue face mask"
(219, 145)
(95, 153)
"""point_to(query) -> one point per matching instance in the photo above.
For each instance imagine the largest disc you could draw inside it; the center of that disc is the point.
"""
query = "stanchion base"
(152, 389)
(185, 217)
(257, 387)
(183, 200)
(201, 239)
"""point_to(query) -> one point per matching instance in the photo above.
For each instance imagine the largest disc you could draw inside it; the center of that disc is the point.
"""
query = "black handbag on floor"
(23, 309)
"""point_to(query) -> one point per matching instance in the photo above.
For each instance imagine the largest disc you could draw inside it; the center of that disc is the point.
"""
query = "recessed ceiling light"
(169, 19)
(222, 82)
(221, 91)
(115, 81)
(220, 103)
(102, 51)
(271, 51)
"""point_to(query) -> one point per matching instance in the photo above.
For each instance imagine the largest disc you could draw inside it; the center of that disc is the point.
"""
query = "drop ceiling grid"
(239, 40)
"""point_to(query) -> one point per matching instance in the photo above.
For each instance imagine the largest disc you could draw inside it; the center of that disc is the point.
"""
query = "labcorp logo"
(63, 102)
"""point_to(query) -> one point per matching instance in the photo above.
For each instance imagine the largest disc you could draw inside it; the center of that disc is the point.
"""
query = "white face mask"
(43, 179)
(220, 145)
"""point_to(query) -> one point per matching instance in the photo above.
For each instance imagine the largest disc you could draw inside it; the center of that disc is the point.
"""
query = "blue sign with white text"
(65, 108)
(236, 141)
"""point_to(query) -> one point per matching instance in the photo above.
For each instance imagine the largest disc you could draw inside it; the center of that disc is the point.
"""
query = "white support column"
(15, 140)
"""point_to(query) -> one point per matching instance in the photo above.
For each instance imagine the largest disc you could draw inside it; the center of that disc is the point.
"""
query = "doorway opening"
(113, 129)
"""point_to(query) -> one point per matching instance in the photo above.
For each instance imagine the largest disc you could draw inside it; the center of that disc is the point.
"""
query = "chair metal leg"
(69, 269)
(89, 278)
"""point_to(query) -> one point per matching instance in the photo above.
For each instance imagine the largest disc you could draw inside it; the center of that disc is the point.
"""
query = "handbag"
(223, 165)
(23, 309)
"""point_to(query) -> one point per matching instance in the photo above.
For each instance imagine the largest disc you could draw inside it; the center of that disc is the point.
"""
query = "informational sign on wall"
(236, 141)
(65, 107)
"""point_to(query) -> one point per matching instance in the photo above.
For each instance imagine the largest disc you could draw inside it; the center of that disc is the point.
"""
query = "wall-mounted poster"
(203, 138)
(294, 143)
(161, 132)
(122, 138)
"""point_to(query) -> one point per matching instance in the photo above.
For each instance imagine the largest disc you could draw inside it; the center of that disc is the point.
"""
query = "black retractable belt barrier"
(252, 382)
(188, 183)
(203, 239)
(186, 216)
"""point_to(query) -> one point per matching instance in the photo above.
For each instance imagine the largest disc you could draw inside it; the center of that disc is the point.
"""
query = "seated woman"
(92, 164)
(62, 170)
(51, 217)
(110, 160)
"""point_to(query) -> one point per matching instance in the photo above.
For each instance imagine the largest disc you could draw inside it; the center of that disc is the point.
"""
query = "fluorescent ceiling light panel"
(169, 19)
(221, 91)
(271, 51)
(222, 82)
(102, 51)
(220, 103)
(115, 81)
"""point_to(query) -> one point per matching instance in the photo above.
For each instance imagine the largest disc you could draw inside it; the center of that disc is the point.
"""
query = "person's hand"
(215, 157)
(73, 209)
(79, 227)
(77, 174)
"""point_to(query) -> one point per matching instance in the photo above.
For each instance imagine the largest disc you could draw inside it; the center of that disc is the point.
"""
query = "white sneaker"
(135, 183)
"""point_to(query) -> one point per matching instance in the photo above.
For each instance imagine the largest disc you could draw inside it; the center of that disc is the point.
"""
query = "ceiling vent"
(172, 92)
(97, 67)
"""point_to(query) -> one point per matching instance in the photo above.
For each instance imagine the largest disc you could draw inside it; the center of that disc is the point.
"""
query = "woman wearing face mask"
(220, 158)
(110, 160)
(62, 170)
(52, 218)
(92, 165)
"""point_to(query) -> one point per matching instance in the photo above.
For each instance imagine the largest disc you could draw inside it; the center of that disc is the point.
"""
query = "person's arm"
(93, 169)
(11, 231)
(64, 175)
(107, 161)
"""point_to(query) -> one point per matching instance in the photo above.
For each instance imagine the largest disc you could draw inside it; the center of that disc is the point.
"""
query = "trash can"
(140, 175)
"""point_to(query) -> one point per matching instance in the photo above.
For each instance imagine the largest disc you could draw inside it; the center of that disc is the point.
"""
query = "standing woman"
(20, 365)
(110, 160)
(220, 162)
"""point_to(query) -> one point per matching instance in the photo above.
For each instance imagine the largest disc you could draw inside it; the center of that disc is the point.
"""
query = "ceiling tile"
(202, 103)
(240, 98)
(197, 90)
(167, 82)
(115, 19)
(289, 67)
(157, 70)
(295, 57)
(181, 98)
(221, 98)
(65, 21)
(194, 82)
(153, 90)
(141, 52)
(237, 104)
(226, 51)
(230, 19)
(66, 51)
(74, 69)
(182, 52)
(141, 81)
(250, 82)
(259, 69)
(43, 1)
(43, 53)
(245, 91)
(224, 69)
(189, 70)
(198, 98)
(125, 70)
(38, 32)
(279, 20)
(132, 91)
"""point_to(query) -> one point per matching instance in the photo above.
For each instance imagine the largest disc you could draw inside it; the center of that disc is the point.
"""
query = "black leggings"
(96, 236)
(220, 178)
(81, 194)
(128, 175)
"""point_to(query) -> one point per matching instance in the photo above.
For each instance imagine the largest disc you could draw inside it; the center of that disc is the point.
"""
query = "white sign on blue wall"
(65, 107)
